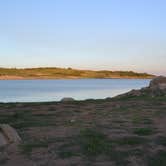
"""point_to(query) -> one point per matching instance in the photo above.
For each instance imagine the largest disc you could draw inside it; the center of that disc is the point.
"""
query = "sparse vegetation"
(93, 142)
(110, 131)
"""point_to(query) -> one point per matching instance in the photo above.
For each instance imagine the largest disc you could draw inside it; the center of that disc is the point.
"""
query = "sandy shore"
(67, 78)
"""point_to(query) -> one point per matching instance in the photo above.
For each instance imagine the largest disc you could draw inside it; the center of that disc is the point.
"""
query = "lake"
(54, 90)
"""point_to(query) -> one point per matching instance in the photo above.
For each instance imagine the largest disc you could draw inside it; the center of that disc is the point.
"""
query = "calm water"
(54, 90)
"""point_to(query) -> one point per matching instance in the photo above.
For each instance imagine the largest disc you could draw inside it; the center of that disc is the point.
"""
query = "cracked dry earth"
(130, 131)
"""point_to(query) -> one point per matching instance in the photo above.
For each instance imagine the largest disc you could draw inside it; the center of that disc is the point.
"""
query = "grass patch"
(147, 121)
(158, 160)
(131, 97)
(24, 119)
(160, 112)
(137, 119)
(27, 147)
(143, 131)
(94, 143)
(130, 141)
(119, 157)
(66, 154)
(122, 109)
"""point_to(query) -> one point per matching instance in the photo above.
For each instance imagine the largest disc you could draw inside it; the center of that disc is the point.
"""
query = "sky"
(84, 34)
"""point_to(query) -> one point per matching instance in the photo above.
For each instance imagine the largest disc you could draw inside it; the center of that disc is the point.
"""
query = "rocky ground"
(129, 130)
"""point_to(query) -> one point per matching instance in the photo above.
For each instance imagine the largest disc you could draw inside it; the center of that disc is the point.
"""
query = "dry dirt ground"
(128, 131)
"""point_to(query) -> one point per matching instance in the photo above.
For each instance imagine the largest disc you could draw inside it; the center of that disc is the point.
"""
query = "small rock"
(8, 135)
(72, 120)
(67, 99)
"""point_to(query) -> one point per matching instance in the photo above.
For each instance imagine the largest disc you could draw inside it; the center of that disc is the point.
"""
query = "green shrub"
(143, 131)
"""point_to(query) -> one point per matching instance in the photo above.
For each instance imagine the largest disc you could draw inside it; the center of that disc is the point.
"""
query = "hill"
(66, 73)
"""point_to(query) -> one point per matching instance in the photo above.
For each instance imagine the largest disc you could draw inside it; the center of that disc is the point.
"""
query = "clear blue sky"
(85, 34)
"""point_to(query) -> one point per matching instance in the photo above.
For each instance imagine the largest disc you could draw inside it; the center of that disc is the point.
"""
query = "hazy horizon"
(96, 35)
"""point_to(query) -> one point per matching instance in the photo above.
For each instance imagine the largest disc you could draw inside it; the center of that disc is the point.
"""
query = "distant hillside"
(66, 73)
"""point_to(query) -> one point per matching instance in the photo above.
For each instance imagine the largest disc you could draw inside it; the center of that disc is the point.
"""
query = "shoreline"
(72, 78)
